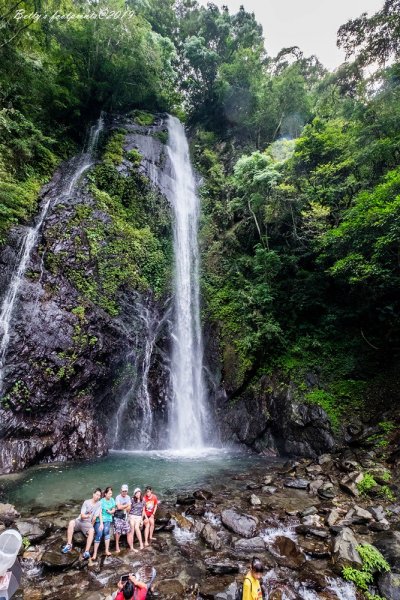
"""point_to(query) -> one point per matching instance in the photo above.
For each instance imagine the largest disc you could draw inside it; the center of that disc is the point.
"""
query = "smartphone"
(125, 577)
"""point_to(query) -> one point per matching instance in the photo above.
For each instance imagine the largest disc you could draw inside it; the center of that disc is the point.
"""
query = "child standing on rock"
(251, 584)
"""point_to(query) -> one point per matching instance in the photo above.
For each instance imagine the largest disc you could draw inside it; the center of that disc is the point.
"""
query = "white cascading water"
(86, 160)
(188, 404)
(144, 398)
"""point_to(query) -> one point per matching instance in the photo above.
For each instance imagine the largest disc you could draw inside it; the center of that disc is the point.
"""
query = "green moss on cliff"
(122, 240)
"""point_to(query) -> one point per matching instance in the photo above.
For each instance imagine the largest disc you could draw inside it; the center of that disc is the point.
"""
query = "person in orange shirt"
(251, 584)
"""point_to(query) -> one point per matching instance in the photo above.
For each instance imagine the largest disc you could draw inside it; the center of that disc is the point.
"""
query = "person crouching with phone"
(129, 586)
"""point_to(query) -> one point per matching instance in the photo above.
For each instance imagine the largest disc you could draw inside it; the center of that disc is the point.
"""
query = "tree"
(373, 39)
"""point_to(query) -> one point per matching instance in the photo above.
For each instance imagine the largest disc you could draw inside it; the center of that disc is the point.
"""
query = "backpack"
(239, 589)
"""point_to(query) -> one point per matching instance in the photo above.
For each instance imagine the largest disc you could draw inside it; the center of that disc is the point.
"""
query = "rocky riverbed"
(304, 518)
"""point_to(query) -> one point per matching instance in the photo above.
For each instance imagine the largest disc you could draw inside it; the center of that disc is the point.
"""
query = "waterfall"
(188, 403)
(150, 325)
(134, 421)
(86, 160)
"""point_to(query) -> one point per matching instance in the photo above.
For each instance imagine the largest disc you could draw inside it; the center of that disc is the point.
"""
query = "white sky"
(310, 24)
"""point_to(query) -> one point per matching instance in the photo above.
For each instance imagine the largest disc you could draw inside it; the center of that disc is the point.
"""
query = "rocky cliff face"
(85, 308)
(268, 418)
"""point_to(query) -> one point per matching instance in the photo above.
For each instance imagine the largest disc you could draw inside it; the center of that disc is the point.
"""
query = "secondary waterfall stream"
(188, 402)
(85, 160)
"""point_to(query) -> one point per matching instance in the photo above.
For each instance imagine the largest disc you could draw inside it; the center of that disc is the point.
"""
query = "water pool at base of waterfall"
(47, 486)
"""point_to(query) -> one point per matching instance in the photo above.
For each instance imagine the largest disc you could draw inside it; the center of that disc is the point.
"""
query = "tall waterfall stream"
(187, 416)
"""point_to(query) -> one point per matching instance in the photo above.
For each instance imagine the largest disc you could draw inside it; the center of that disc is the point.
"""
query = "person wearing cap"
(121, 522)
(251, 584)
(136, 518)
(149, 511)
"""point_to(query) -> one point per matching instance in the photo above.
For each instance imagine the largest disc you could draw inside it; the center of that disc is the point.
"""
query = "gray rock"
(269, 479)
(240, 523)
(210, 536)
(314, 470)
(297, 484)
(377, 512)
(312, 521)
(229, 593)
(349, 465)
(358, 515)
(327, 491)
(53, 559)
(315, 486)
(325, 459)
(268, 489)
(226, 567)
(32, 529)
(255, 544)
(344, 550)
(388, 543)
(255, 500)
(389, 586)
(311, 510)
(349, 483)
(8, 514)
(318, 532)
(253, 486)
(274, 420)
(333, 517)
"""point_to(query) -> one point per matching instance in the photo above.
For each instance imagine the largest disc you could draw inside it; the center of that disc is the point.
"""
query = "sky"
(310, 24)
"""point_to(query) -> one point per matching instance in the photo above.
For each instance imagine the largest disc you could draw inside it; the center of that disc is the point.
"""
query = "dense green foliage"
(301, 227)
(57, 74)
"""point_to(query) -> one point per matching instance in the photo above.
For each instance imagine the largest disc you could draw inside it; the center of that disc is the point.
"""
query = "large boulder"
(8, 514)
(388, 543)
(255, 544)
(344, 553)
(54, 560)
(287, 552)
(210, 536)
(389, 586)
(33, 529)
(218, 567)
(274, 420)
(240, 523)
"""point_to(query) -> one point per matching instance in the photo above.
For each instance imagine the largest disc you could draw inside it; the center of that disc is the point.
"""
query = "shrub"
(143, 118)
(372, 562)
(367, 484)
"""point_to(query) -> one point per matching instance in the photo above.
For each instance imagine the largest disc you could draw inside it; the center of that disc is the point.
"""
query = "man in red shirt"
(149, 511)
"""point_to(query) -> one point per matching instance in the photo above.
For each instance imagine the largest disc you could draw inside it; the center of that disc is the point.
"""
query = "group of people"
(127, 514)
